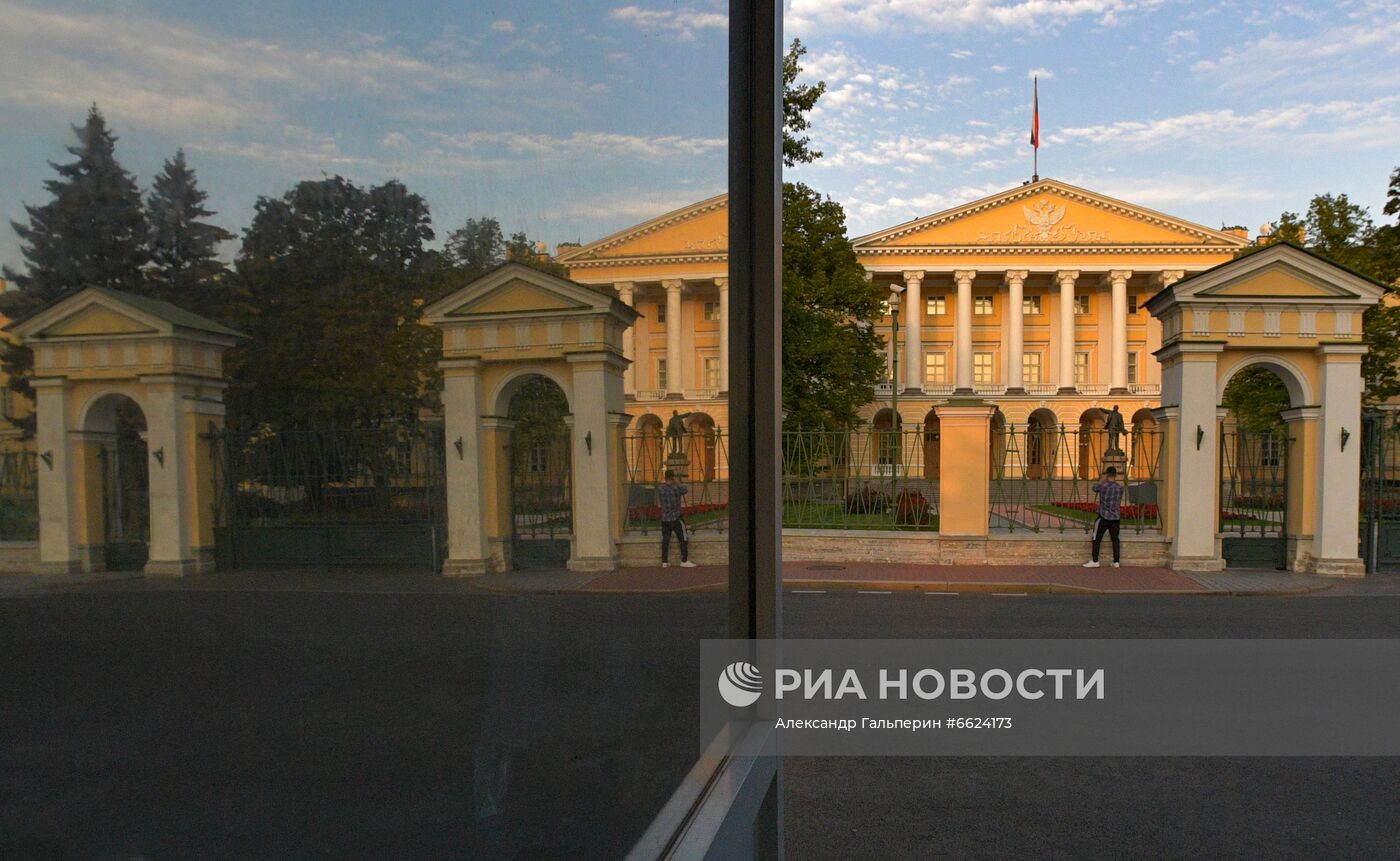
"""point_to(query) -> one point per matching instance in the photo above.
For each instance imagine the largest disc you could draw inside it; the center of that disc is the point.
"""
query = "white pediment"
(515, 290)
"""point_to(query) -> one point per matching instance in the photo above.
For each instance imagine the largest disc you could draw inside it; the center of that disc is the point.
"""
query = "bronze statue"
(1115, 428)
(675, 429)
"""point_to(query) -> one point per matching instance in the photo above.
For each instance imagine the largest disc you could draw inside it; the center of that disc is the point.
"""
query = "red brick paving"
(853, 575)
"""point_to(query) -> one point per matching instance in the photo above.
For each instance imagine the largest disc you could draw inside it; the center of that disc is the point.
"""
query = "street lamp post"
(895, 291)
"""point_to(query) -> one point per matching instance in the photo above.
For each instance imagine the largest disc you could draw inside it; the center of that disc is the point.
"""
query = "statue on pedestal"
(1114, 427)
(675, 430)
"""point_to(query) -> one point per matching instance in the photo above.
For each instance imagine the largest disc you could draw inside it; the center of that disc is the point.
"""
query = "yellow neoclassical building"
(1032, 298)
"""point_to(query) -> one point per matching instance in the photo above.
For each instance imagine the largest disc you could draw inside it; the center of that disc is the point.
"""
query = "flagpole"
(1035, 129)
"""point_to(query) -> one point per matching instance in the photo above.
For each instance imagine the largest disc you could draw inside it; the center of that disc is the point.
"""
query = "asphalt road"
(164, 721)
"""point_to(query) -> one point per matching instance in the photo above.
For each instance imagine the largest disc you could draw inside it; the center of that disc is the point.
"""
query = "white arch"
(1299, 392)
(86, 416)
(500, 398)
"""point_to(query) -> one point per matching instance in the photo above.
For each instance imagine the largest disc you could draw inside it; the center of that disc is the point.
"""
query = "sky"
(572, 120)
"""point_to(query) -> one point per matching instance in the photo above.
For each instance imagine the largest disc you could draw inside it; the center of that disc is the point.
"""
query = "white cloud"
(1340, 56)
(631, 205)
(684, 24)
(593, 144)
(1040, 73)
(960, 54)
(502, 25)
(881, 16)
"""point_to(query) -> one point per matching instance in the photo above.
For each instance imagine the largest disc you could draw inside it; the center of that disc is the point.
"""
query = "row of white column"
(675, 380)
(1064, 329)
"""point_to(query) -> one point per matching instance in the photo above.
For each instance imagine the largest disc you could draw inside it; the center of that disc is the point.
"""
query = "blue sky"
(570, 120)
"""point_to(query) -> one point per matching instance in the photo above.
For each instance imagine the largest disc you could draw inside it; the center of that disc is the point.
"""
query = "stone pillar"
(1163, 280)
(723, 285)
(1300, 520)
(1191, 450)
(913, 332)
(168, 462)
(1065, 375)
(675, 386)
(58, 503)
(1016, 340)
(1337, 490)
(626, 292)
(497, 503)
(597, 384)
(467, 549)
(1118, 363)
(962, 332)
(964, 488)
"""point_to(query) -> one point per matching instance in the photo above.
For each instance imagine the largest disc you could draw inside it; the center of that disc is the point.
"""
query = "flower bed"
(1128, 510)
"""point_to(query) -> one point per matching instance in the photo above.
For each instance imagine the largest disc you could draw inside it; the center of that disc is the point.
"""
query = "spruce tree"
(185, 267)
(91, 233)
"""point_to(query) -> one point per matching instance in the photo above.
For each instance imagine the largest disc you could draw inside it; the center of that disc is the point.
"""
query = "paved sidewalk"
(933, 578)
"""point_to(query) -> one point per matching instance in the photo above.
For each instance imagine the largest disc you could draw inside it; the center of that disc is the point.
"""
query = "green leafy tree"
(185, 266)
(798, 101)
(91, 233)
(479, 246)
(334, 275)
(831, 351)
(1256, 396)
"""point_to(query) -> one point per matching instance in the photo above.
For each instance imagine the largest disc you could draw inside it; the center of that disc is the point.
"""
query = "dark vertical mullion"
(755, 319)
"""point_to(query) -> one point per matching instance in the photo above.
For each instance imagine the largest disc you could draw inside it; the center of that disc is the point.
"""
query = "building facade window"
(661, 313)
(1081, 369)
(712, 312)
(1030, 367)
(1030, 306)
(1271, 451)
(982, 306)
(935, 367)
(1132, 303)
(711, 372)
(1081, 306)
(537, 460)
(983, 370)
(661, 381)
(1132, 368)
(935, 306)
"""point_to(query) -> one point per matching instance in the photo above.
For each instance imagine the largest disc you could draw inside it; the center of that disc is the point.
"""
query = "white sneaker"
(665, 564)
(687, 564)
(1116, 565)
(1091, 564)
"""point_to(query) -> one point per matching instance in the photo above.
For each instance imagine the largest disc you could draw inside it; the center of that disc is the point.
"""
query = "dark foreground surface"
(411, 719)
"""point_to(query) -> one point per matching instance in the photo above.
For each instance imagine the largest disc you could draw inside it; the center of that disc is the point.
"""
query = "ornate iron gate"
(541, 498)
(1380, 491)
(1254, 497)
(340, 498)
(126, 503)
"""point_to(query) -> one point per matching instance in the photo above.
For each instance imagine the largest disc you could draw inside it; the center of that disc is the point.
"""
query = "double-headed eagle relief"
(1043, 224)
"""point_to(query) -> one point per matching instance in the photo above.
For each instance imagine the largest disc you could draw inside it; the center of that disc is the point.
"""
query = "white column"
(1189, 396)
(167, 465)
(1016, 340)
(1065, 377)
(597, 382)
(913, 331)
(674, 385)
(57, 487)
(1118, 363)
(1338, 492)
(625, 292)
(723, 285)
(962, 331)
(467, 549)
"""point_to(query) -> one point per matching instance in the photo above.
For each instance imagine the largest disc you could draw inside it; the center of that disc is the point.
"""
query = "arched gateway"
(127, 391)
(1293, 313)
(513, 325)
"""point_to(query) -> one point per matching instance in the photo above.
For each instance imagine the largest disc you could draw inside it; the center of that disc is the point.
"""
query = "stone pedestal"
(678, 462)
(1118, 459)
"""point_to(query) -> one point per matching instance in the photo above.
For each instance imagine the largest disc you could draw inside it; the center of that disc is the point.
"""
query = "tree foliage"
(1256, 396)
(185, 267)
(831, 352)
(334, 275)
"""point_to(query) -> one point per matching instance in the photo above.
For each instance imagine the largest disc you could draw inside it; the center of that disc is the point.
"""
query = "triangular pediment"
(699, 229)
(97, 319)
(516, 290)
(1281, 274)
(1047, 213)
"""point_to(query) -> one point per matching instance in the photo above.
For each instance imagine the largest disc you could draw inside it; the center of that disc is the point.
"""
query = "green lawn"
(693, 521)
(1087, 516)
(833, 515)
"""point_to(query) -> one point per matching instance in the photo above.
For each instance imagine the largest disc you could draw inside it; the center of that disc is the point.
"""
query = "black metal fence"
(1380, 491)
(19, 496)
(1043, 477)
(331, 498)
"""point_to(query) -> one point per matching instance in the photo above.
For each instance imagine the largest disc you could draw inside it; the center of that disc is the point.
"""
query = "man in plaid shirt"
(1110, 493)
(670, 495)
